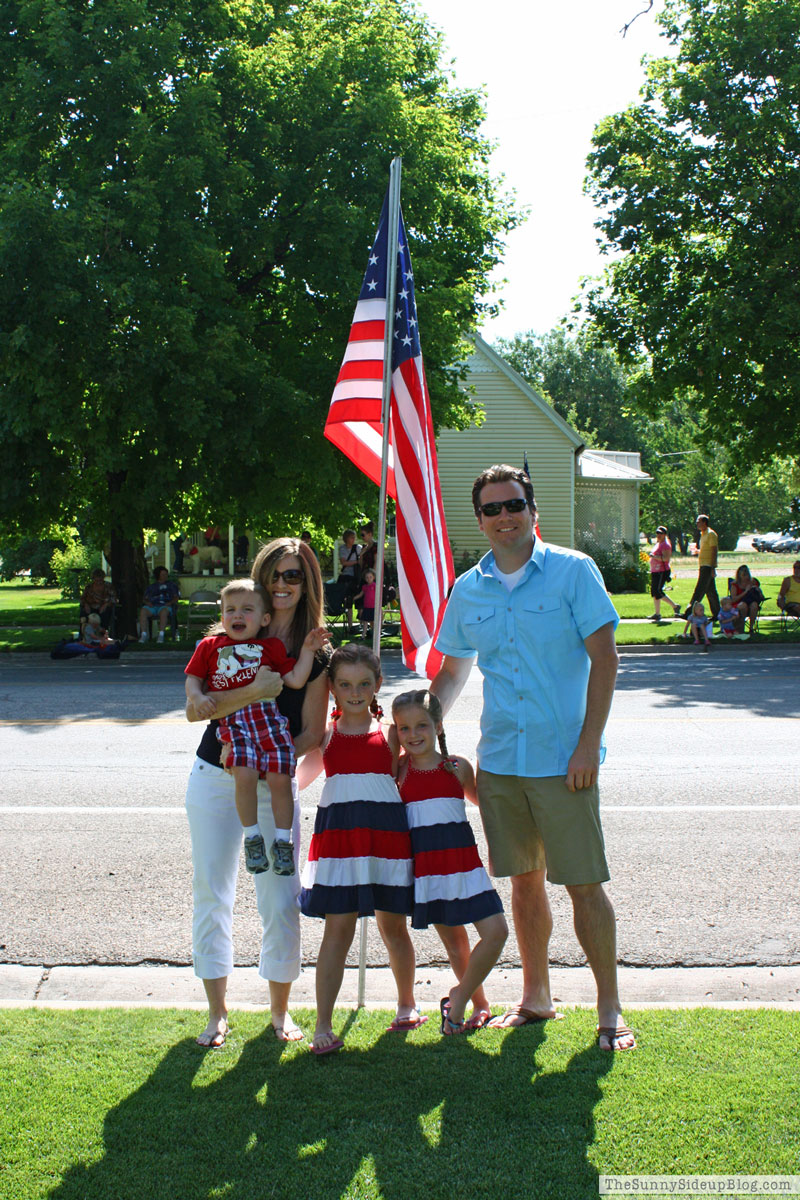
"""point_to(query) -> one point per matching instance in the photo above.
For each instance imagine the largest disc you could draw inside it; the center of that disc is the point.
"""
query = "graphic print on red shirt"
(225, 664)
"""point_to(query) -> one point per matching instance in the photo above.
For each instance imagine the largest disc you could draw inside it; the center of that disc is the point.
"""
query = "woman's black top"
(369, 557)
(290, 703)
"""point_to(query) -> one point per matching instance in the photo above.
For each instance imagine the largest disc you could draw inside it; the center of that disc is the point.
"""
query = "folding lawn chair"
(390, 615)
(789, 620)
(338, 603)
(203, 609)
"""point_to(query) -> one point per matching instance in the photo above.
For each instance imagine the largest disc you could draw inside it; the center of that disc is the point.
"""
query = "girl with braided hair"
(359, 860)
(451, 887)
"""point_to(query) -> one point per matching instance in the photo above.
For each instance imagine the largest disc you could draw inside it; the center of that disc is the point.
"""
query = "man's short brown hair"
(501, 473)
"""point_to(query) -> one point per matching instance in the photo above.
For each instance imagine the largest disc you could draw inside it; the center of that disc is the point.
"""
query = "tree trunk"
(128, 568)
(679, 543)
(129, 577)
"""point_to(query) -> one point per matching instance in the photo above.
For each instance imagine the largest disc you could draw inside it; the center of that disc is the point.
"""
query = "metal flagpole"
(388, 339)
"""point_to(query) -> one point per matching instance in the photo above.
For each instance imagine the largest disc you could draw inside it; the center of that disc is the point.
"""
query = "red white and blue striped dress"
(359, 859)
(451, 886)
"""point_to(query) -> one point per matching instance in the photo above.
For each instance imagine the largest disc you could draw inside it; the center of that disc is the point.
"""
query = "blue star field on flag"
(405, 343)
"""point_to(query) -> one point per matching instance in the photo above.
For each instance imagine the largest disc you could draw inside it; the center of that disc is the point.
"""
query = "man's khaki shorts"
(531, 824)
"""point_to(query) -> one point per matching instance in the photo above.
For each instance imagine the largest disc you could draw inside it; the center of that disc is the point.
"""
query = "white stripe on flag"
(355, 389)
(370, 310)
(424, 561)
(359, 351)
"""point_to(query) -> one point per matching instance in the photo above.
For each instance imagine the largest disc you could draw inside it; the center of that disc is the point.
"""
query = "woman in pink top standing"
(660, 573)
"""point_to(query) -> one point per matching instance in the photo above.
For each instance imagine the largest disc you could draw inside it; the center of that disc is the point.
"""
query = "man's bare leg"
(533, 924)
(596, 930)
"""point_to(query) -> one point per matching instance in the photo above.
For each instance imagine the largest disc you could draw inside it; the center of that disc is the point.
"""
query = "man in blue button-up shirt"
(540, 622)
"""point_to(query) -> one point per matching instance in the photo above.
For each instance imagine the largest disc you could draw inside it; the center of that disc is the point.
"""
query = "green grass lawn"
(122, 1105)
(33, 618)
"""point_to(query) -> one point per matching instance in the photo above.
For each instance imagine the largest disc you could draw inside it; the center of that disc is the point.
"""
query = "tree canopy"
(188, 190)
(692, 473)
(584, 381)
(699, 189)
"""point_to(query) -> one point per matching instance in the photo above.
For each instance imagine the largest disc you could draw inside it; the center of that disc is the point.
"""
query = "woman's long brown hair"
(310, 611)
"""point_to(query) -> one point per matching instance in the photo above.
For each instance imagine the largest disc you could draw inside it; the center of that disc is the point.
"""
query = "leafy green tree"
(601, 398)
(698, 187)
(29, 554)
(188, 193)
(705, 479)
(583, 380)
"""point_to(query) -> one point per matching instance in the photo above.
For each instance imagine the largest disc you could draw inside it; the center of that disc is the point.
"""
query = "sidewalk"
(176, 987)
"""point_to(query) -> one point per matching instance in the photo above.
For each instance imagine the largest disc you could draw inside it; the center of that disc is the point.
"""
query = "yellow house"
(569, 481)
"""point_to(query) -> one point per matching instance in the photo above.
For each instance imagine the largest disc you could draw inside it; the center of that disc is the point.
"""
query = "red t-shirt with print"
(224, 663)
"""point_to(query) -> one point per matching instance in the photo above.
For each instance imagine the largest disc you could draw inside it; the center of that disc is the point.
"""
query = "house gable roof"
(605, 464)
(483, 348)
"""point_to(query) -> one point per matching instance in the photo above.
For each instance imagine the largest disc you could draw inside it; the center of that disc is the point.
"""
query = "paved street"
(701, 799)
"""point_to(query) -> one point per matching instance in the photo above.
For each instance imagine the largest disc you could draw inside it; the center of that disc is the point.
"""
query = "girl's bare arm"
(466, 777)
(314, 716)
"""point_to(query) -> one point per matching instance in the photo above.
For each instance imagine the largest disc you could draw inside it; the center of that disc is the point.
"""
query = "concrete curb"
(148, 986)
(782, 648)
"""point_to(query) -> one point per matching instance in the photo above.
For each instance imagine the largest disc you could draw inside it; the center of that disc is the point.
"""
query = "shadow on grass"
(395, 1119)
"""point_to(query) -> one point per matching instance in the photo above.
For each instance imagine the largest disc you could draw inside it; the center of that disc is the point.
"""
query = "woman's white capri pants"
(216, 833)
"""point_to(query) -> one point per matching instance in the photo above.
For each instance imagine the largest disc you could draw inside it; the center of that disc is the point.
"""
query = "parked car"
(764, 541)
(786, 544)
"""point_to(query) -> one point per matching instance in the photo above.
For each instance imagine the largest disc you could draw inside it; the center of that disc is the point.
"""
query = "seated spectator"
(698, 622)
(94, 635)
(98, 597)
(746, 595)
(727, 617)
(160, 599)
(789, 594)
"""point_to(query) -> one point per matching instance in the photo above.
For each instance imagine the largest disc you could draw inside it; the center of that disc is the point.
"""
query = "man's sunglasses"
(293, 576)
(495, 507)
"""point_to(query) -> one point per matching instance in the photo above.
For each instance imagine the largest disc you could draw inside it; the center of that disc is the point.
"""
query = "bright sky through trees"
(552, 71)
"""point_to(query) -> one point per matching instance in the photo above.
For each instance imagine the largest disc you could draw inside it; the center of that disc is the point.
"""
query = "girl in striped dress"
(359, 860)
(451, 887)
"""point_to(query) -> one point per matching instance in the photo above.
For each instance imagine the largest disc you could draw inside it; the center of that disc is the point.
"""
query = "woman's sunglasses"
(293, 576)
(495, 507)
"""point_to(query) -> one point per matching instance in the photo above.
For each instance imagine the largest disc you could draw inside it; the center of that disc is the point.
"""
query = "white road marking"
(53, 810)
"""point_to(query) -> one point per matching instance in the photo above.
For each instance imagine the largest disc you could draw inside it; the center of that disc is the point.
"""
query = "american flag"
(424, 561)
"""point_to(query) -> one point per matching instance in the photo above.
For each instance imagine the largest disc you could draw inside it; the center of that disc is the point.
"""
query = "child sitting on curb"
(698, 623)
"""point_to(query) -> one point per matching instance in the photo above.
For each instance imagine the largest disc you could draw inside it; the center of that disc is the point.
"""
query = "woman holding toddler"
(289, 572)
